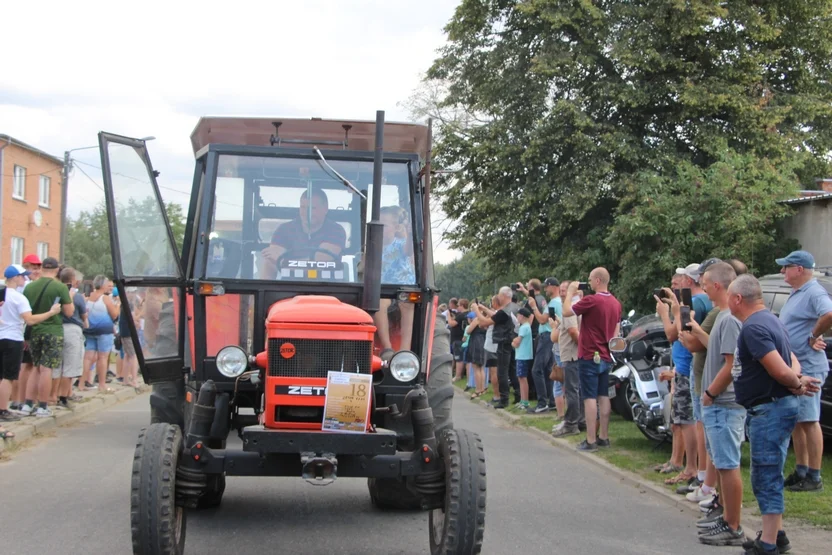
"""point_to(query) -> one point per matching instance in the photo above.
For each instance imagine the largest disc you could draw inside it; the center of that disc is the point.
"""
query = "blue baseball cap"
(15, 270)
(472, 315)
(798, 258)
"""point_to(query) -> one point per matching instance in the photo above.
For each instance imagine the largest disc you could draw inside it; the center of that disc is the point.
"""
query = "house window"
(17, 250)
(45, 186)
(43, 250)
(19, 189)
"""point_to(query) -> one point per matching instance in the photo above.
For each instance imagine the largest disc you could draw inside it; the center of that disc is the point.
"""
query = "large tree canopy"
(635, 134)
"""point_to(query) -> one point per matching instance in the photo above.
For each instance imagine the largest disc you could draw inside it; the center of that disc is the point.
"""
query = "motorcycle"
(640, 395)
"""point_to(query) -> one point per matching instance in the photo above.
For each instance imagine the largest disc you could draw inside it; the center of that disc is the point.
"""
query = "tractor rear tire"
(458, 528)
(157, 524)
(392, 493)
(167, 403)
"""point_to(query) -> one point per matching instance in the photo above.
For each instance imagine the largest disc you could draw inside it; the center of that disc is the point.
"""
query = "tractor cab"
(300, 287)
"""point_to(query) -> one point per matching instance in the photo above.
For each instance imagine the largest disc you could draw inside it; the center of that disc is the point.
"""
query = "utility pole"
(64, 191)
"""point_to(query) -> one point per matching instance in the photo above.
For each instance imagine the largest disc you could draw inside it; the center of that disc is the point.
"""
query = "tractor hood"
(316, 309)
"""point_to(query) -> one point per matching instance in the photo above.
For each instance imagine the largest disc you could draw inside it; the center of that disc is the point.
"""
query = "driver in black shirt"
(315, 238)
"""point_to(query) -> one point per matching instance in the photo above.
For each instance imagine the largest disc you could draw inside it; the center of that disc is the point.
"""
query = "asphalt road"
(69, 494)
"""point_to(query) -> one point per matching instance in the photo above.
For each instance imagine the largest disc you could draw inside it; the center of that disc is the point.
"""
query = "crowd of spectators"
(738, 373)
(53, 337)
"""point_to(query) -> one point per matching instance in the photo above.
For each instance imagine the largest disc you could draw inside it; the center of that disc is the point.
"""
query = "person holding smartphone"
(47, 340)
(601, 317)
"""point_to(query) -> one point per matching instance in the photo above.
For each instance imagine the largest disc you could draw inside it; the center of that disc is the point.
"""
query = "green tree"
(88, 235)
(595, 118)
(464, 277)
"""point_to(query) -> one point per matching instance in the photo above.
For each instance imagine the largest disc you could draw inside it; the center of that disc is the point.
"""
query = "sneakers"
(723, 535)
(792, 479)
(690, 486)
(8, 416)
(603, 442)
(709, 519)
(497, 404)
(584, 446)
(698, 496)
(709, 504)
(562, 430)
(807, 484)
(43, 412)
(754, 547)
(539, 409)
(26, 410)
(64, 405)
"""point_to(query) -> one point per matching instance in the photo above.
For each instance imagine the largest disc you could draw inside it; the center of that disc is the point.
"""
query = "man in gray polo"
(807, 315)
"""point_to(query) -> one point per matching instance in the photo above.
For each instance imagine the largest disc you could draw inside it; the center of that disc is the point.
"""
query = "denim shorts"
(697, 406)
(595, 379)
(523, 368)
(724, 432)
(809, 406)
(557, 389)
(100, 343)
(770, 427)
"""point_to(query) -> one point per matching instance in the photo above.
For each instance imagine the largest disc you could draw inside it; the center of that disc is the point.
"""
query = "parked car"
(775, 293)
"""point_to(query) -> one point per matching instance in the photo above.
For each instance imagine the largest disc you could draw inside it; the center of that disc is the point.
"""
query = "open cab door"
(146, 264)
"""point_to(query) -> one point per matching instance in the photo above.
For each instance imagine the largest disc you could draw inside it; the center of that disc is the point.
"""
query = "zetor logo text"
(306, 390)
(310, 264)
(287, 350)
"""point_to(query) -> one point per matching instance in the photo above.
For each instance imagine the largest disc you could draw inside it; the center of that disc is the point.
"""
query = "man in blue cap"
(807, 315)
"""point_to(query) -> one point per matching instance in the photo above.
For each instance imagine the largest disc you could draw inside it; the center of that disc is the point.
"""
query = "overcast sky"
(72, 69)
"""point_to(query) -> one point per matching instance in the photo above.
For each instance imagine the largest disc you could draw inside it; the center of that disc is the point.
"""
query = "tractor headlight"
(232, 361)
(404, 366)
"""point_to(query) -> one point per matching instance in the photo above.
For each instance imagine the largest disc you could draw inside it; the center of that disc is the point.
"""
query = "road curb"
(31, 427)
(624, 476)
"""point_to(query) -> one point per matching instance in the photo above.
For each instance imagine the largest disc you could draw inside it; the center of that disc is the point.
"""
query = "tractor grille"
(313, 358)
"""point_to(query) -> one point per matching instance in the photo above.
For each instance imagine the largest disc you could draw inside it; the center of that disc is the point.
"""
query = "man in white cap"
(16, 314)
(807, 316)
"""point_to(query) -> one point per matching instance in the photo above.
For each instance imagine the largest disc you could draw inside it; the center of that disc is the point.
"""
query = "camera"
(583, 286)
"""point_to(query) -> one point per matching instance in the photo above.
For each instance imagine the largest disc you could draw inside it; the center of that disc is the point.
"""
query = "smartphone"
(687, 299)
(87, 289)
(515, 287)
(552, 314)
(3, 295)
(583, 286)
(57, 300)
(660, 293)
(678, 293)
(684, 314)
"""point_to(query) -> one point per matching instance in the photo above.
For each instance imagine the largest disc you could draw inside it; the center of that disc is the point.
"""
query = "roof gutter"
(2, 148)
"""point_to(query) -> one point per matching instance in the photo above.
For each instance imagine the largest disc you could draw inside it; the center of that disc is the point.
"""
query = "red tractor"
(298, 308)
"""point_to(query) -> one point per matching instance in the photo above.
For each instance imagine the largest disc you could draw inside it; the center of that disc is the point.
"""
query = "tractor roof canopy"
(406, 138)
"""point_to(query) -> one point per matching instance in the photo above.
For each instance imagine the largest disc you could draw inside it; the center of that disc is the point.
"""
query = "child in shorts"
(523, 354)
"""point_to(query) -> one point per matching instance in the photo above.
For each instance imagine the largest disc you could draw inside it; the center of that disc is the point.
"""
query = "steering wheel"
(312, 250)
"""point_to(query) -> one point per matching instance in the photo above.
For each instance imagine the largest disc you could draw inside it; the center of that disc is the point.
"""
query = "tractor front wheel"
(458, 527)
(157, 524)
(392, 493)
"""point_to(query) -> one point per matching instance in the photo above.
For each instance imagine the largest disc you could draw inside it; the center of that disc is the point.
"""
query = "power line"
(90, 178)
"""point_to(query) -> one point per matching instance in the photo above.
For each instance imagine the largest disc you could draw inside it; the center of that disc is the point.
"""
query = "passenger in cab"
(396, 269)
(304, 235)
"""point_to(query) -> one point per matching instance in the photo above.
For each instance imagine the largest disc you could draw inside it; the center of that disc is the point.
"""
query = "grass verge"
(633, 452)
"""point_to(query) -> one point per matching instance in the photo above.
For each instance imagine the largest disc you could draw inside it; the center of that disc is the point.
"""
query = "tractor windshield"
(292, 219)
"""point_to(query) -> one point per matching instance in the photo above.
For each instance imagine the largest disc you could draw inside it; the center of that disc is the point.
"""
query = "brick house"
(30, 202)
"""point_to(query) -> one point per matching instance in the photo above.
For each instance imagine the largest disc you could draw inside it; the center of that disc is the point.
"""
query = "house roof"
(11, 140)
(810, 196)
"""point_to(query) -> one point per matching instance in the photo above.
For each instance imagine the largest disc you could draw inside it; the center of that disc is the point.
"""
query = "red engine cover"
(306, 336)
